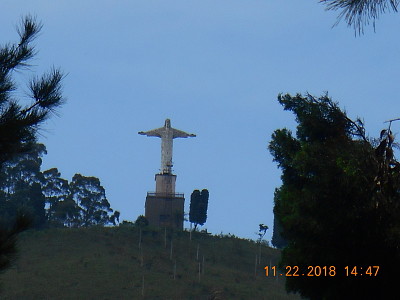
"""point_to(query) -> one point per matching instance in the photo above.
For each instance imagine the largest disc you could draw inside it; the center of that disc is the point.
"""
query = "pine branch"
(359, 13)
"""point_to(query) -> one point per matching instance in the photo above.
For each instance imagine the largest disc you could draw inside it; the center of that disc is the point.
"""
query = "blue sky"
(215, 69)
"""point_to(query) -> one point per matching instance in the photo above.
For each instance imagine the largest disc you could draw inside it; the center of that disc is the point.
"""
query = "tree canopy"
(49, 199)
(93, 207)
(141, 221)
(339, 203)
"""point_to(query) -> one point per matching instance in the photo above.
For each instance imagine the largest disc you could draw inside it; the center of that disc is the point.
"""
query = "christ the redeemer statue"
(167, 134)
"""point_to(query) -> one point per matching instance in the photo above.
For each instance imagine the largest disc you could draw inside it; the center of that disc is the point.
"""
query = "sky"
(215, 68)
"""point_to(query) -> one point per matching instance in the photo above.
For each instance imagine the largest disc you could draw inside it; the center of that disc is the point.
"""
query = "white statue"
(167, 134)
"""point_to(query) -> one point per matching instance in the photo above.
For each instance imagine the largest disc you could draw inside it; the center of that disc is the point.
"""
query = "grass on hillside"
(111, 263)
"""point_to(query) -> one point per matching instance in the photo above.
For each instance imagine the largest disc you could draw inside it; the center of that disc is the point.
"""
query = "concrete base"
(164, 207)
(165, 211)
(165, 183)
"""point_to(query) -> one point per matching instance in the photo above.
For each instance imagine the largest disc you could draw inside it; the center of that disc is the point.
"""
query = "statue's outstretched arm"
(155, 132)
(182, 134)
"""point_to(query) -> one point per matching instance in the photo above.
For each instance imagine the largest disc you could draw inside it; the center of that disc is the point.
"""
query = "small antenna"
(390, 122)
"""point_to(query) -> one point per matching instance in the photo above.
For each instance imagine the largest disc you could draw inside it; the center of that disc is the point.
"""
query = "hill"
(112, 263)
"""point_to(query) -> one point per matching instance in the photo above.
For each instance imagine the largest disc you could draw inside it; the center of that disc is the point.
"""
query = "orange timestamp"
(323, 271)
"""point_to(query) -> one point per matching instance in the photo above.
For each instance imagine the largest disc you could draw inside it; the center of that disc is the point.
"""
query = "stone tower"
(165, 207)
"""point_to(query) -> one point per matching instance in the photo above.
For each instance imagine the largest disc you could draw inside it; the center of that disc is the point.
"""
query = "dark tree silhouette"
(277, 240)
(19, 122)
(262, 231)
(90, 196)
(141, 221)
(8, 239)
(57, 193)
(339, 203)
(21, 188)
(49, 199)
(198, 207)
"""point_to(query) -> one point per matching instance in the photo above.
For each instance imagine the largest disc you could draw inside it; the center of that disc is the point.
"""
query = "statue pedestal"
(165, 183)
(164, 207)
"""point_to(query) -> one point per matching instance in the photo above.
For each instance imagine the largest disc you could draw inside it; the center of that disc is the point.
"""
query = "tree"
(57, 193)
(198, 207)
(277, 240)
(49, 199)
(66, 213)
(262, 231)
(19, 123)
(194, 210)
(203, 206)
(22, 169)
(90, 196)
(339, 203)
(359, 13)
(20, 186)
(141, 221)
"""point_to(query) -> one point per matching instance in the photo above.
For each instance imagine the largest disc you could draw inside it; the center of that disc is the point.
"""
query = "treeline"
(48, 199)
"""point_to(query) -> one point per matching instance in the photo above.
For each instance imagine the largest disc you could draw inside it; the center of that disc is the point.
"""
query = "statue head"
(167, 123)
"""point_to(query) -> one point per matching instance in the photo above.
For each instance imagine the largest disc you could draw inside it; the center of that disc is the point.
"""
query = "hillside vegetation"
(112, 263)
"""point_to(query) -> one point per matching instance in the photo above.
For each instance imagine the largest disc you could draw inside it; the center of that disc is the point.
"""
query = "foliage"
(141, 221)
(359, 13)
(93, 207)
(49, 199)
(55, 189)
(198, 207)
(339, 203)
(277, 240)
(20, 187)
(8, 238)
(19, 123)
(65, 213)
(262, 231)
(126, 223)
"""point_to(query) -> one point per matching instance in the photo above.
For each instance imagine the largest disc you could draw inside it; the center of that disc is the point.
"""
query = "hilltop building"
(165, 207)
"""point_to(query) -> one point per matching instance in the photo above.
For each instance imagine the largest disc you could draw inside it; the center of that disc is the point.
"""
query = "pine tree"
(19, 123)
